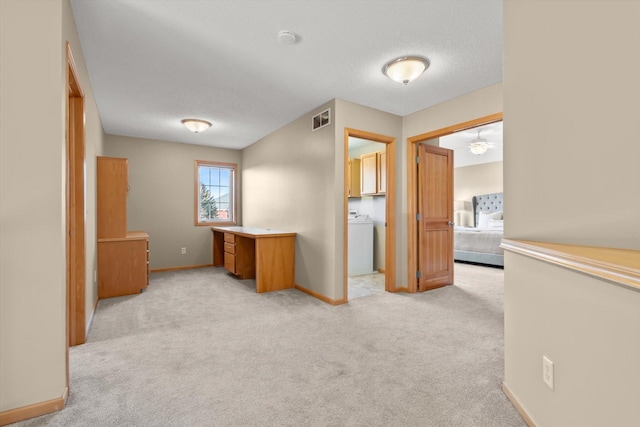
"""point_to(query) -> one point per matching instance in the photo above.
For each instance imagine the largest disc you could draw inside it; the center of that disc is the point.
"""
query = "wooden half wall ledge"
(31, 411)
(619, 266)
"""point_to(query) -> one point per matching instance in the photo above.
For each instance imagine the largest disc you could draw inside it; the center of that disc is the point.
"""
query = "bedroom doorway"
(437, 260)
(372, 187)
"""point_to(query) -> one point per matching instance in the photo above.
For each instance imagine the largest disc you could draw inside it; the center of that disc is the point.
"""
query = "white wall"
(32, 181)
(161, 196)
(574, 180)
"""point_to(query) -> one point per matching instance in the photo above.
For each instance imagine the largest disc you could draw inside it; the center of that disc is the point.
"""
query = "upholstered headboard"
(486, 203)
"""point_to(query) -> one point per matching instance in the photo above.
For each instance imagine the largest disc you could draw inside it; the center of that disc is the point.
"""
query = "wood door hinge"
(417, 159)
(418, 275)
(418, 217)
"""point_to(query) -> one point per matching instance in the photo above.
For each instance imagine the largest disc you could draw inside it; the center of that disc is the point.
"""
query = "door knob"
(451, 223)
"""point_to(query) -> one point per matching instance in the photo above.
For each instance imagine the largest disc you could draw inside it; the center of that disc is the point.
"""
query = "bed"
(481, 243)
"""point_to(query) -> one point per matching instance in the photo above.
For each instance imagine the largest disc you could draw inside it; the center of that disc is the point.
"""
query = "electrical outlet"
(547, 372)
(183, 251)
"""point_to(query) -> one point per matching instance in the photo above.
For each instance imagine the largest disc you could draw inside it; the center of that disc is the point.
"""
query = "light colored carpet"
(200, 348)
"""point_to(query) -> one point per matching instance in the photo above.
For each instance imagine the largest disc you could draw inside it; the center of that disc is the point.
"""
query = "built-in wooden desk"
(256, 253)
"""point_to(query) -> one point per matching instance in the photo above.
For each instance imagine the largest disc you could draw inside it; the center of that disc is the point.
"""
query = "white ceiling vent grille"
(321, 120)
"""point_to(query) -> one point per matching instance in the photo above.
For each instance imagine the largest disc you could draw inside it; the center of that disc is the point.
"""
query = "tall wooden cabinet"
(123, 256)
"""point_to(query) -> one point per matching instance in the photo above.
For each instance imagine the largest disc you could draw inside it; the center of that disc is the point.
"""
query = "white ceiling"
(152, 63)
(459, 142)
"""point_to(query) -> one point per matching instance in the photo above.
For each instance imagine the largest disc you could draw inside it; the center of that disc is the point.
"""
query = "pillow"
(484, 217)
(496, 224)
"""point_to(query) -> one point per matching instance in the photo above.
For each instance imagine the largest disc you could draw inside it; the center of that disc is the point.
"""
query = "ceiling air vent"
(321, 120)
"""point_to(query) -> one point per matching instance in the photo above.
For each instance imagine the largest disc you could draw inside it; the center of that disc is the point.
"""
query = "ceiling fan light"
(478, 147)
(406, 68)
(196, 125)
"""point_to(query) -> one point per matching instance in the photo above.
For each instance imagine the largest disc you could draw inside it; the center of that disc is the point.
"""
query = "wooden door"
(435, 224)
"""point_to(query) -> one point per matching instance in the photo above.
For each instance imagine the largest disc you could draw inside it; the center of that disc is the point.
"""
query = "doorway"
(375, 181)
(75, 208)
(416, 263)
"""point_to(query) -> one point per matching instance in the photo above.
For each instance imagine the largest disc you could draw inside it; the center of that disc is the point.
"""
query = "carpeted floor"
(200, 348)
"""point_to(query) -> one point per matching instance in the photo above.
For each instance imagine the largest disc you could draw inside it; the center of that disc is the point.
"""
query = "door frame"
(412, 187)
(75, 207)
(390, 213)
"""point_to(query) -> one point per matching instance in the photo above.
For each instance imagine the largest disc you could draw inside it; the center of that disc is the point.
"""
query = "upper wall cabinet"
(373, 173)
(382, 172)
(353, 178)
(112, 183)
(369, 174)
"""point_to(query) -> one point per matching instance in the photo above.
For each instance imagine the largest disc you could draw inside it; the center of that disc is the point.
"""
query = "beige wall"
(161, 196)
(474, 180)
(574, 180)
(293, 180)
(32, 189)
(288, 185)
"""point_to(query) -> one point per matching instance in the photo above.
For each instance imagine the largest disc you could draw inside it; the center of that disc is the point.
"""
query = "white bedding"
(477, 240)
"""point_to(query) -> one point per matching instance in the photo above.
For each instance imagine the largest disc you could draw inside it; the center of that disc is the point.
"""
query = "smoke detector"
(287, 37)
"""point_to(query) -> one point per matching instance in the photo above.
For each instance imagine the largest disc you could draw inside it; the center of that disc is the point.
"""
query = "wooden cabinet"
(353, 178)
(268, 256)
(123, 265)
(368, 174)
(382, 172)
(373, 172)
(113, 184)
(123, 256)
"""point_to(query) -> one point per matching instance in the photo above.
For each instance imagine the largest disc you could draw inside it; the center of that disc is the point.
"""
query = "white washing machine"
(360, 244)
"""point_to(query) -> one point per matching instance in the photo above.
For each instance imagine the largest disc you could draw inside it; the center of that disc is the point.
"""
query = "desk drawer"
(230, 262)
(229, 248)
(228, 237)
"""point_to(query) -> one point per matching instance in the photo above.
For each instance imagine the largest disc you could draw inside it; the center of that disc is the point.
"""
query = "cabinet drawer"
(229, 248)
(230, 262)
(228, 237)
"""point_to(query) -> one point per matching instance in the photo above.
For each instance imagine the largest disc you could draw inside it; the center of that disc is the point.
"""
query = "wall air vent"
(321, 120)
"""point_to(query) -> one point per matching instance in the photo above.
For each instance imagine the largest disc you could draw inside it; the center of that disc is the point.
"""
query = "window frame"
(233, 200)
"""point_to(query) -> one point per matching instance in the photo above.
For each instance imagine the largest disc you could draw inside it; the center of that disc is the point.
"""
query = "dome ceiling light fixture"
(406, 68)
(287, 37)
(479, 145)
(196, 125)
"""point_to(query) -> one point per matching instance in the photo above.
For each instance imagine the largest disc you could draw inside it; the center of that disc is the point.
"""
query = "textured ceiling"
(153, 63)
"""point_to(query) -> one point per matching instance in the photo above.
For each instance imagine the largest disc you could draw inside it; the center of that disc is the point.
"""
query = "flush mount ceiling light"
(287, 37)
(196, 125)
(406, 68)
